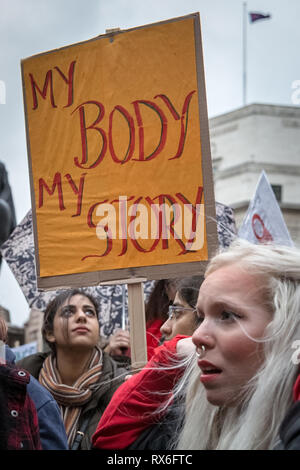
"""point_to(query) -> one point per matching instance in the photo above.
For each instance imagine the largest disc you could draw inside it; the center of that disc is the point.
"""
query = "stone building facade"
(15, 334)
(33, 328)
(251, 139)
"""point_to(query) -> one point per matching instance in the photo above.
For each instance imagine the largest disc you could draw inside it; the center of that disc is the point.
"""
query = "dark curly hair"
(158, 300)
(188, 289)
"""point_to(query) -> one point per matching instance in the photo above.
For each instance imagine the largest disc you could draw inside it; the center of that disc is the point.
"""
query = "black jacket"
(160, 436)
(94, 409)
(289, 432)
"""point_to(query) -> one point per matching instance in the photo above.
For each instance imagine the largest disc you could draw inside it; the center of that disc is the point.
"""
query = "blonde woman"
(242, 379)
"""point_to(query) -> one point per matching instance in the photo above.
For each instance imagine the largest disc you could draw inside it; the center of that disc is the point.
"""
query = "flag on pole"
(258, 16)
(264, 221)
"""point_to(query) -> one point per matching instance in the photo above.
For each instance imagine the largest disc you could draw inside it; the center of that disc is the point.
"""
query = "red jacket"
(131, 409)
(153, 336)
(296, 390)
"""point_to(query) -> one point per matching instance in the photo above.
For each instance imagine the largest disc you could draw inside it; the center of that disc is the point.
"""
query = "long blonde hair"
(254, 423)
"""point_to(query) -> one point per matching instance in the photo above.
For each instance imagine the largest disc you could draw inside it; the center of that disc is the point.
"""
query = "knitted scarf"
(72, 398)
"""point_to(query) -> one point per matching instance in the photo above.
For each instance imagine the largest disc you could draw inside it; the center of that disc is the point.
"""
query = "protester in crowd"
(133, 408)
(118, 345)
(182, 319)
(242, 382)
(52, 431)
(238, 387)
(19, 427)
(127, 421)
(156, 312)
(78, 374)
(51, 427)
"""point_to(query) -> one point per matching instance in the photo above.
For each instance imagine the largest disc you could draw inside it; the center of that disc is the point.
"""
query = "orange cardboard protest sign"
(119, 156)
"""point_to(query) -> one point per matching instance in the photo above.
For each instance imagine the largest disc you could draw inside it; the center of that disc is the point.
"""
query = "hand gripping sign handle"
(137, 320)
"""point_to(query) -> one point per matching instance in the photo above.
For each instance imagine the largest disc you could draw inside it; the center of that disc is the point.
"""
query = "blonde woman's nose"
(203, 336)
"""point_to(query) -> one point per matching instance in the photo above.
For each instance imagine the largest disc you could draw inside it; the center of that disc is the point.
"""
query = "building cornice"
(284, 206)
(257, 167)
(291, 112)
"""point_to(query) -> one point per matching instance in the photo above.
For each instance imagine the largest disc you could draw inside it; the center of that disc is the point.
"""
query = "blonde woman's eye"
(229, 316)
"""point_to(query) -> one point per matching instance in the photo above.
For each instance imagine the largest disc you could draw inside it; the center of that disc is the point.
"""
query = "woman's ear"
(50, 337)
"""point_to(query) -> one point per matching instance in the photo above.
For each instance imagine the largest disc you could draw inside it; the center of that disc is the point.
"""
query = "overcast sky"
(28, 27)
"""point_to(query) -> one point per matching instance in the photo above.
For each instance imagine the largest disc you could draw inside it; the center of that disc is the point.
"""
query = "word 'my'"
(162, 110)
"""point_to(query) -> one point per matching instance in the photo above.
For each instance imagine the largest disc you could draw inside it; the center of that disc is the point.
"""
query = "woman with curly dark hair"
(77, 372)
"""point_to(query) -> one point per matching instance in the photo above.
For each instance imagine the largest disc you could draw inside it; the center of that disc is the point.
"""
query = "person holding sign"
(118, 344)
(76, 372)
(239, 383)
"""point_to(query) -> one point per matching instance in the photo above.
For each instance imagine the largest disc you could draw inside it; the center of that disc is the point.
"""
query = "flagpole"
(244, 53)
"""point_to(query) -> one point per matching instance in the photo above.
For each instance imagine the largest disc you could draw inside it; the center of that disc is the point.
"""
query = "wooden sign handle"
(136, 310)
